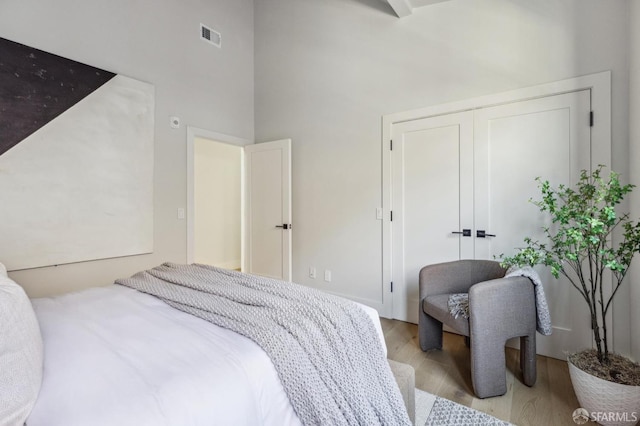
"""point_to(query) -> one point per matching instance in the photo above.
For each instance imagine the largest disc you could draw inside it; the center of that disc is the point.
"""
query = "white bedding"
(114, 356)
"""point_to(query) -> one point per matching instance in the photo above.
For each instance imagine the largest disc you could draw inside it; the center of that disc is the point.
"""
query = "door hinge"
(391, 214)
(591, 119)
(391, 144)
(391, 286)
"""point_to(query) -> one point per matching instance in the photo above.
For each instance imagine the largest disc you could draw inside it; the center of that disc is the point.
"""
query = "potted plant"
(579, 247)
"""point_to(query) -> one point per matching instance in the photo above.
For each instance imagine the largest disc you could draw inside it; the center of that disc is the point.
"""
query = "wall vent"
(210, 35)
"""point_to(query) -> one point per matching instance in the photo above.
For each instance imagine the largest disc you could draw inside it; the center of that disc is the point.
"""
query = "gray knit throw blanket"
(325, 348)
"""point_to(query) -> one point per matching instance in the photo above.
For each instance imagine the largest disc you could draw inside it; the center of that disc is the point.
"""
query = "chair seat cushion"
(437, 306)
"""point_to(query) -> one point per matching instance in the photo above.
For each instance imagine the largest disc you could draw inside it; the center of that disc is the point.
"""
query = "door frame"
(600, 86)
(192, 134)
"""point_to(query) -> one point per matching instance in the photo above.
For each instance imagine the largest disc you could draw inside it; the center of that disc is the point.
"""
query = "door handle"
(465, 232)
(482, 234)
(284, 226)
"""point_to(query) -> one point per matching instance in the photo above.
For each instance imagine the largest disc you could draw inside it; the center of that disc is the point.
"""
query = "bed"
(114, 355)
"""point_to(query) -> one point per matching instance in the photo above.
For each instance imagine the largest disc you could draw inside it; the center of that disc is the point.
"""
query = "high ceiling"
(404, 8)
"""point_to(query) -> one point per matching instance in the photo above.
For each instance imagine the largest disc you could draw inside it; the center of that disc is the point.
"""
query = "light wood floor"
(551, 401)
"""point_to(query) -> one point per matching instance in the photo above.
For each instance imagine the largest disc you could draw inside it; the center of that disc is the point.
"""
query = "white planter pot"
(608, 403)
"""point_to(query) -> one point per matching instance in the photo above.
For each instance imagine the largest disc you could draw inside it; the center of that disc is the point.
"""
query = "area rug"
(431, 410)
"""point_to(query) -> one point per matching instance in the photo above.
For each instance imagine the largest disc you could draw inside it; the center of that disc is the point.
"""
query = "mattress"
(117, 356)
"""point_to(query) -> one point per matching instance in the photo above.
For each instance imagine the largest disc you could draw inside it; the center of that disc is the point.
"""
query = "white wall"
(326, 72)
(217, 200)
(156, 42)
(634, 159)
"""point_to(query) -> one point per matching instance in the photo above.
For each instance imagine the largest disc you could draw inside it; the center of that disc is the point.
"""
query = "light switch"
(181, 214)
(379, 213)
(327, 276)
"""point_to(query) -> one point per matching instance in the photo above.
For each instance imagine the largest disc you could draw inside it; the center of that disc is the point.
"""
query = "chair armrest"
(457, 276)
(509, 301)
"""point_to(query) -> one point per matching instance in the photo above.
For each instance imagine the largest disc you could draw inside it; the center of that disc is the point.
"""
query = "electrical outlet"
(312, 272)
(327, 275)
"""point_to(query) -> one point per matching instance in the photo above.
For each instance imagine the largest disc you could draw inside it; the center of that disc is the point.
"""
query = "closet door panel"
(515, 143)
(432, 198)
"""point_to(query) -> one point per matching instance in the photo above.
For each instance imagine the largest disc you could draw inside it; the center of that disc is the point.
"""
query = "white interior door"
(432, 198)
(514, 144)
(268, 209)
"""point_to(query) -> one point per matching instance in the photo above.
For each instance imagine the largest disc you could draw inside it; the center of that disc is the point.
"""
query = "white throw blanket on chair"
(543, 318)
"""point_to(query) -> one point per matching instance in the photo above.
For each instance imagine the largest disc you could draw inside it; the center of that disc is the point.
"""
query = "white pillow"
(21, 353)
(3, 270)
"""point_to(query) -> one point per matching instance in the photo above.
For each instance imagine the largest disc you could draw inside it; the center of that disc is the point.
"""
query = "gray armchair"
(499, 309)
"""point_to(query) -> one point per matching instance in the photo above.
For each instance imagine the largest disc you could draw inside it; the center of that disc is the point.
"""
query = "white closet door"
(514, 144)
(432, 197)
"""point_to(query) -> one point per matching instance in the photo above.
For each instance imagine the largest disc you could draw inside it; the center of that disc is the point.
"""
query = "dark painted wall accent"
(36, 87)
